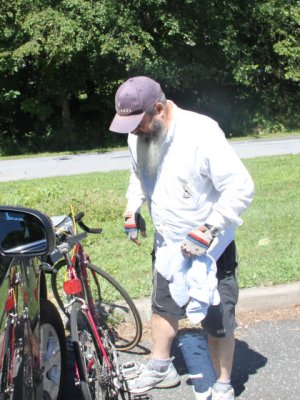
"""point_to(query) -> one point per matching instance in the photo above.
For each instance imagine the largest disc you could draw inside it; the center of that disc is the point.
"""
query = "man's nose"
(135, 131)
(138, 131)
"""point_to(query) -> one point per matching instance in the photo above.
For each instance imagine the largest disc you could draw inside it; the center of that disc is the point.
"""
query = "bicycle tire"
(53, 350)
(115, 308)
(57, 286)
(92, 373)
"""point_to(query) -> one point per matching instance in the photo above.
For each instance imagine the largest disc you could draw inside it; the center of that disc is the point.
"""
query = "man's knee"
(164, 322)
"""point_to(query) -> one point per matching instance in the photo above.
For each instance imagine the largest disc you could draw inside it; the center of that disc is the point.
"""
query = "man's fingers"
(190, 250)
(185, 252)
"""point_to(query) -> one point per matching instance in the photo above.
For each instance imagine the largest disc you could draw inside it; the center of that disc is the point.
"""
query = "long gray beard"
(150, 154)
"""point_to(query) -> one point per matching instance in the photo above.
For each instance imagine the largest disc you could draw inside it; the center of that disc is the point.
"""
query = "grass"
(268, 242)
(264, 135)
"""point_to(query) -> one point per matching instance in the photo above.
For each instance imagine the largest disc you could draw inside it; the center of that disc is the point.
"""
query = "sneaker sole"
(226, 395)
(168, 384)
(161, 385)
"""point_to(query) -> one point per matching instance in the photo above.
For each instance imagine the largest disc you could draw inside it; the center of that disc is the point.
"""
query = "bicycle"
(99, 321)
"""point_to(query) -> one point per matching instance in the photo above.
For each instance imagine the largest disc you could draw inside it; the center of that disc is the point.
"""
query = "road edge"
(250, 299)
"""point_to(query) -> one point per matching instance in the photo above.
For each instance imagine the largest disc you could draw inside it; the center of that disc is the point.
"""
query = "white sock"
(159, 365)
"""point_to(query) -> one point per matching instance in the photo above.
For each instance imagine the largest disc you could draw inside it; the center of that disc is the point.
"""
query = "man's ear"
(159, 108)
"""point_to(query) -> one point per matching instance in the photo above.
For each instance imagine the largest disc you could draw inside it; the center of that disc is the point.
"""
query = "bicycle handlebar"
(89, 230)
(78, 218)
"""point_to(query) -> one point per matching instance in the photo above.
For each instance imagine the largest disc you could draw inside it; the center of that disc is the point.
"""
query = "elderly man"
(196, 188)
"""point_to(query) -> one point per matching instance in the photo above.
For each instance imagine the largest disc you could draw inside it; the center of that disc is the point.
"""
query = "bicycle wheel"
(93, 374)
(113, 305)
(53, 351)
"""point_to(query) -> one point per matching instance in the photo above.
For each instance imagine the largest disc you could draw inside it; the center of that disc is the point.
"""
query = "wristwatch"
(214, 231)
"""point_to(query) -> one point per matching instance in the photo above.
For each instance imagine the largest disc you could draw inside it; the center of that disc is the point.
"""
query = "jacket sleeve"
(230, 178)
(135, 194)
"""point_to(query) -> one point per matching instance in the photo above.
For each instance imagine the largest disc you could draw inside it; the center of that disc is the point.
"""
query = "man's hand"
(134, 223)
(198, 241)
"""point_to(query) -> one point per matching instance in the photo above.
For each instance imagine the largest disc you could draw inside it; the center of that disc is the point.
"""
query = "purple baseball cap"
(133, 98)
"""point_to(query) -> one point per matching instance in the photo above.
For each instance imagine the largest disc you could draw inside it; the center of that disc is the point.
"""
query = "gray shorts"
(220, 320)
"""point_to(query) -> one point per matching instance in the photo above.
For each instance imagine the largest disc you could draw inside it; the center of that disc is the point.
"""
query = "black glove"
(134, 223)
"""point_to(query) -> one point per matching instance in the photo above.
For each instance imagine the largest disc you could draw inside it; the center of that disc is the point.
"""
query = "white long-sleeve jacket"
(200, 180)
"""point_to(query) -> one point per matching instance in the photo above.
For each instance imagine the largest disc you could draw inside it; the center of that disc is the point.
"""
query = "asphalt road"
(266, 363)
(39, 167)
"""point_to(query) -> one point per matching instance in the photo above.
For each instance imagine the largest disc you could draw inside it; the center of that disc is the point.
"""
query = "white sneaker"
(149, 379)
(222, 392)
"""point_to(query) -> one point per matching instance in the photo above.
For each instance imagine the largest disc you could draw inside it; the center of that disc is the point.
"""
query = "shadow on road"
(246, 362)
(192, 359)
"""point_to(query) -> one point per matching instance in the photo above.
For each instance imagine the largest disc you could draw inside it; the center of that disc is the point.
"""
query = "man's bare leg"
(221, 352)
(163, 331)
(159, 372)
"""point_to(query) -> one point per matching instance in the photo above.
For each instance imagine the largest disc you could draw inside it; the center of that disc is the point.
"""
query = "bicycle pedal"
(130, 370)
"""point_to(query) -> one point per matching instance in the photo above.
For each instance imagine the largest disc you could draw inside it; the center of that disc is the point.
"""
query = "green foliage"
(61, 62)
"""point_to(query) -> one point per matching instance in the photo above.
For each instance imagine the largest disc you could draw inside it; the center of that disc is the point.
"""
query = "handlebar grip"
(78, 217)
(89, 230)
(94, 230)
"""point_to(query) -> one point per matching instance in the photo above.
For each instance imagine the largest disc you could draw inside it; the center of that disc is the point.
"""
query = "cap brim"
(125, 123)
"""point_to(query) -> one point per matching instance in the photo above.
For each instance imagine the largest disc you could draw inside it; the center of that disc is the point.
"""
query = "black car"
(32, 339)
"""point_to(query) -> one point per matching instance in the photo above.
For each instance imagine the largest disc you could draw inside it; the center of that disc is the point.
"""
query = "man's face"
(150, 127)
(153, 132)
